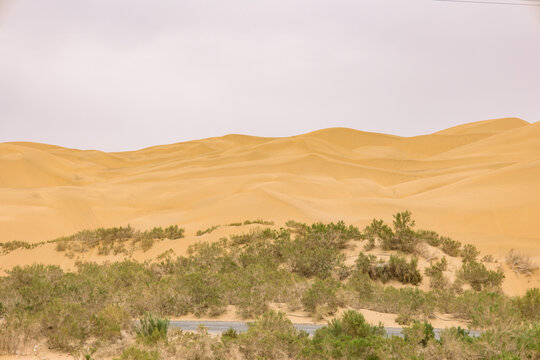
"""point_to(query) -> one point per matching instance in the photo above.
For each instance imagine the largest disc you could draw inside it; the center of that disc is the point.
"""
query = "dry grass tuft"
(520, 263)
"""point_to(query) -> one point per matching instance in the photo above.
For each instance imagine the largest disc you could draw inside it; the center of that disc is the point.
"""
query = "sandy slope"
(478, 182)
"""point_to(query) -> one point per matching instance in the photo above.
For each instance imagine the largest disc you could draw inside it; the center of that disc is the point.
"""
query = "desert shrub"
(229, 334)
(173, 232)
(338, 235)
(109, 322)
(18, 334)
(134, 353)
(488, 258)
(484, 308)
(10, 246)
(520, 263)
(152, 329)
(61, 245)
(348, 337)
(235, 224)
(451, 247)
(377, 231)
(437, 280)
(272, 336)
(146, 244)
(207, 231)
(258, 221)
(469, 252)
(297, 226)
(203, 291)
(479, 277)
(529, 304)
(253, 236)
(409, 302)
(405, 238)
(120, 249)
(430, 237)
(402, 238)
(313, 254)
(419, 333)
(397, 268)
(113, 239)
(321, 298)
(362, 284)
(403, 271)
(65, 325)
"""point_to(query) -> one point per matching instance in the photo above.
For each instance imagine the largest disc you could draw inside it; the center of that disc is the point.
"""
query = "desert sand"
(478, 183)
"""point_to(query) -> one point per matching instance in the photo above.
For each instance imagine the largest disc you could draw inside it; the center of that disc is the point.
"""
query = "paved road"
(217, 327)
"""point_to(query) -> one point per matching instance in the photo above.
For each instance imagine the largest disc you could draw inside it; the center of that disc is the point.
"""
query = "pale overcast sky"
(126, 74)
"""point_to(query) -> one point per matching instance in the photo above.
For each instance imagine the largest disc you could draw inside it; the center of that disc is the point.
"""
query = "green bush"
(109, 322)
(377, 231)
(297, 227)
(402, 238)
(272, 336)
(316, 253)
(258, 221)
(451, 247)
(321, 298)
(469, 252)
(229, 334)
(65, 325)
(362, 284)
(253, 236)
(348, 337)
(113, 239)
(419, 333)
(14, 245)
(436, 275)
(207, 231)
(476, 275)
(134, 353)
(529, 304)
(430, 237)
(152, 329)
(397, 268)
(403, 271)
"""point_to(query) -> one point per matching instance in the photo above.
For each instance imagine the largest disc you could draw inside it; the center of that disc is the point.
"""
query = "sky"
(126, 74)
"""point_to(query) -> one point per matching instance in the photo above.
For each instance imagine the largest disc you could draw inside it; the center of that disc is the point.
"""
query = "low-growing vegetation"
(114, 240)
(520, 263)
(301, 267)
(10, 246)
(207, 231)
(397, 268)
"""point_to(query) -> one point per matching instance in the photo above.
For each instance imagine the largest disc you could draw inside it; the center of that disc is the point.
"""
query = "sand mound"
(477, 182)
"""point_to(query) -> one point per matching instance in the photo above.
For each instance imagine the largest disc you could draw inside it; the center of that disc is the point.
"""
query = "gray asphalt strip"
(217, 327)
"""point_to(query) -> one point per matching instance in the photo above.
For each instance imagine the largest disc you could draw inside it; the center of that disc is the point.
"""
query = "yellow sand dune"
(478, 182)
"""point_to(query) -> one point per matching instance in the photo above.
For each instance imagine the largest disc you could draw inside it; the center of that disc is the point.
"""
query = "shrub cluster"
(10, 246)
(95, 302)
(207, 231)
(401, 238)
(479, 277)
(435, 272)
(397, 268)
(273, 336)
(115, 239)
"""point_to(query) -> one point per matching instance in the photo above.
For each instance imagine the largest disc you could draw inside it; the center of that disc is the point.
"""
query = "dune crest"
(477, 182)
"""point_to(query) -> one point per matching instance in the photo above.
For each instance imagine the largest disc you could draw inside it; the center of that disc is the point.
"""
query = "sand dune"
(478, 182)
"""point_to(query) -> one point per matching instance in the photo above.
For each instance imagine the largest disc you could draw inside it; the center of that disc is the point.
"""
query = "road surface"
(217, 327)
